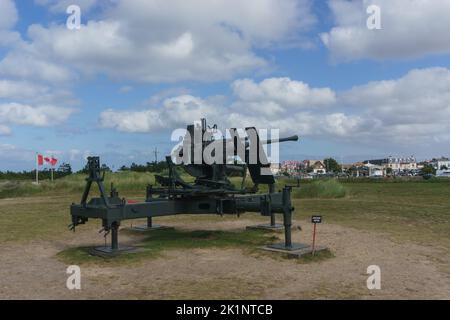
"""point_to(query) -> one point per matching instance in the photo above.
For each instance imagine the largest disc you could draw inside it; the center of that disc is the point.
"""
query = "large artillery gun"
(212, 192)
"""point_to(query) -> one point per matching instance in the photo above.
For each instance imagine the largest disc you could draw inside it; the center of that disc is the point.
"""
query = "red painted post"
(314, 240)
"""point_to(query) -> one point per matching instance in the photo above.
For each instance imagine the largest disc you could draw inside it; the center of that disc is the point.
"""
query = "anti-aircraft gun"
(211, 161)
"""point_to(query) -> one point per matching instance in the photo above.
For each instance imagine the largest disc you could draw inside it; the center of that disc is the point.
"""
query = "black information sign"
(316, 219)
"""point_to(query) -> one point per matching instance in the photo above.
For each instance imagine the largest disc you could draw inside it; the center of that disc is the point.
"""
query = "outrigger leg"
(114, 248)
(287, 223)
(149, 225)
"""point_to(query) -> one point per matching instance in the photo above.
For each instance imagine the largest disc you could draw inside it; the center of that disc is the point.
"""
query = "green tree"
(105, 168)
(65, 169)
(331, 165)
(428, 169)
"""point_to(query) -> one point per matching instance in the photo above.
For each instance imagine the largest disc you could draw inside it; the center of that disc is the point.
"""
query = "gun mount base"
(282, 246)
(144, 227)
(267, 227)
(105, 251)
(149, 226)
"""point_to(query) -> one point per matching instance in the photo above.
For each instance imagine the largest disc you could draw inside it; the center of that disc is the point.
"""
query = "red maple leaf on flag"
(50, 160)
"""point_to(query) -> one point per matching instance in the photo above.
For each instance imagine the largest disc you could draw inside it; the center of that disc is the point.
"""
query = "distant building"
(315, 166)
(291, 167)
(375, 170)
(443, 173)
(441, 163)
(347, 167)
(396, 164)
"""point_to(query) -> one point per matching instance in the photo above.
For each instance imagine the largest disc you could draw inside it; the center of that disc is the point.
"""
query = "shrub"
(327, 189)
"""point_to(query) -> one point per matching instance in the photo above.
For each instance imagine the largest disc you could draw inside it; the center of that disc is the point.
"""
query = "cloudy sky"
(137, 69)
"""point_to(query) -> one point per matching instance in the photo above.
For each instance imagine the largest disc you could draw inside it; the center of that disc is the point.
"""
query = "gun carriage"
(210, 193)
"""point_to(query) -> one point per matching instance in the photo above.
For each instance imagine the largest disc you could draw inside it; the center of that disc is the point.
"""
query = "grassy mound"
(326, 189)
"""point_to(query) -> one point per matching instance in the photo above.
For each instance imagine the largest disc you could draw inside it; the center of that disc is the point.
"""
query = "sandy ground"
(408, 271)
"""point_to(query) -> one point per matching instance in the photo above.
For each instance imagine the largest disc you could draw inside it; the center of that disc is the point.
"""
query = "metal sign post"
(315, 220)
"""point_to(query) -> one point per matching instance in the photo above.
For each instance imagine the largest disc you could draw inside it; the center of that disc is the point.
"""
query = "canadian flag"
(50, 160)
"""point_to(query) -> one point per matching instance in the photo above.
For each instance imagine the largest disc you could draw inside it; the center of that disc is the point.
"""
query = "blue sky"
(136, 70)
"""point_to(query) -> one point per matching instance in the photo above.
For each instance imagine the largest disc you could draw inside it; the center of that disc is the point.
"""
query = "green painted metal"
(211, 193)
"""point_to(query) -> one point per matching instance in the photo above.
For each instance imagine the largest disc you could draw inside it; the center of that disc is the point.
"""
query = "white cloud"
(416, 106)
(22, 65)
(284, 92)
(156, 40)
(41, 116)
(8, 14)
(410, 28)
(58, 6)
(13, 155)
(412, 109)
(174, 112)
(4, 130)
(19, 89)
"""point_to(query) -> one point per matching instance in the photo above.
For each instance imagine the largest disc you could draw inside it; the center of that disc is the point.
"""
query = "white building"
(315, 166)
(441, 163)
(443, 173)
(396, 164)
(375, 170)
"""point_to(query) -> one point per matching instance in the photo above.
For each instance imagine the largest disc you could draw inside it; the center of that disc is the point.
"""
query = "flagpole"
(51, 168)
(37, 169)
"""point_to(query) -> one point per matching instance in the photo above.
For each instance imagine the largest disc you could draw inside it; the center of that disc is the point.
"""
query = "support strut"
(272, 226)
(114, 236)
(114, 249)
(287, 218)
(287, 246)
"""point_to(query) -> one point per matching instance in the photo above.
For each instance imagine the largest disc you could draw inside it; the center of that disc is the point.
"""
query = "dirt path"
(408, 271)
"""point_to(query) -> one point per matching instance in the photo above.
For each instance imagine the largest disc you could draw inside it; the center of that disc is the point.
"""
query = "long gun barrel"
(247, 143)
(270, 141)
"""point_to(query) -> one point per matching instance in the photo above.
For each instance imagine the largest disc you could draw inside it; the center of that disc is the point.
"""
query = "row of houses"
(374, 167)
(294, 167)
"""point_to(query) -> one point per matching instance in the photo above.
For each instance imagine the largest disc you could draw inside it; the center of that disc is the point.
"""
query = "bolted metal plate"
(293, 247)
(144, 227)
(108, 251)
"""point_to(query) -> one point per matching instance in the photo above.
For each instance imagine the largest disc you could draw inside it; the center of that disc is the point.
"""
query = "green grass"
(414, 211)
(159, 241)
(408, 210)
(323, 189)
(129, 181)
